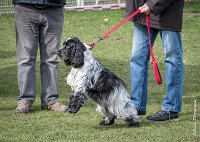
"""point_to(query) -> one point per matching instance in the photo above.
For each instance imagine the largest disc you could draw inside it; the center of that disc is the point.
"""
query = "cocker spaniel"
(89, 79)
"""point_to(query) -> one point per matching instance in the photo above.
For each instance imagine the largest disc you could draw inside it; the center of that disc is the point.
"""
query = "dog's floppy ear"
(77, 56)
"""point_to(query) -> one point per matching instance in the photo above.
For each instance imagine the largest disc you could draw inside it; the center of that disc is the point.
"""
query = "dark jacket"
(166, 14)
(56, 3)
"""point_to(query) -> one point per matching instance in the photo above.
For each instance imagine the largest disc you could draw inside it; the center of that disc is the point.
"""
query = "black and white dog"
(89, 79)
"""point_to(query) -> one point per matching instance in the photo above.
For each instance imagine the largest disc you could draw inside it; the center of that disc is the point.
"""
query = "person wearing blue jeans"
(39, 25)
(166, 20)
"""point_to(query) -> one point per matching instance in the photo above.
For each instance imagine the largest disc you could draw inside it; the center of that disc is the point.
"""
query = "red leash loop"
(153, 60)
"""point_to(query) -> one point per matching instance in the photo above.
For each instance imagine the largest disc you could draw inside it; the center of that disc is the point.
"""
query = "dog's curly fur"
(89, 79)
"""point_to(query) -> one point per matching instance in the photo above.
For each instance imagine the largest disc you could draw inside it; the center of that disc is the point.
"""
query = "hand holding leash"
(145, 9)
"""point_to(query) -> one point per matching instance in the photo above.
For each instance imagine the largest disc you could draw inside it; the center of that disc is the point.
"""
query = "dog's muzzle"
(60, 53)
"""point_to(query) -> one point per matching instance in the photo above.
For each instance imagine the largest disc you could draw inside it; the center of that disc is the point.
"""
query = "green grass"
(192, 6)
(114, 53)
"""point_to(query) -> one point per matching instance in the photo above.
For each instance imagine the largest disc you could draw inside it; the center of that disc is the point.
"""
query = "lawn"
(113, 53)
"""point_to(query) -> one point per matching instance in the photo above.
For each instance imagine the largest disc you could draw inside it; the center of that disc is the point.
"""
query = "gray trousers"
(38, 28)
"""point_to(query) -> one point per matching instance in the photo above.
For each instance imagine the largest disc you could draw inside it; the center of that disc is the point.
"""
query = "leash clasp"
(94, 43)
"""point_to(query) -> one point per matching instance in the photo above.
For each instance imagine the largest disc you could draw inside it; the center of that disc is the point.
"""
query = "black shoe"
(141, 112)
(163, 116)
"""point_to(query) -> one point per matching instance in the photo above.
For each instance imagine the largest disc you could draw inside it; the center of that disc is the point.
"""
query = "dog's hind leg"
(132, 122)
(132, 119)
(108, 118)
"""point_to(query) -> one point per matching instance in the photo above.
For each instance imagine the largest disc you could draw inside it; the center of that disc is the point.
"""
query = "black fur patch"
(76, 102)
(105, 84)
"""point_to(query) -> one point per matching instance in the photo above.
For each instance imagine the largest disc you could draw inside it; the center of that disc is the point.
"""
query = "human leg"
(172, 44)
(50, 38)
(26, 48)
(139, 65)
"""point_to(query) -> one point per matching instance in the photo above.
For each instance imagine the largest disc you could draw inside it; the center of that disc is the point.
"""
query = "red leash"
(153, 60)
(114, 28)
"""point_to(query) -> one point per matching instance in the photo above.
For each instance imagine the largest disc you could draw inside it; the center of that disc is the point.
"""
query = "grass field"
(114, 53)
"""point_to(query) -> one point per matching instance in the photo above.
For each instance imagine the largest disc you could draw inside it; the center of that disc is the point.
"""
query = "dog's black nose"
(59, 53)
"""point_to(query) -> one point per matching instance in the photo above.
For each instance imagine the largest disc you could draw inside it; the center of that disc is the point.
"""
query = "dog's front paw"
(76, 102)
(73, 109)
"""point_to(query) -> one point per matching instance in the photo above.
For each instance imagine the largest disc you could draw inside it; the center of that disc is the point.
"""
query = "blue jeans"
(140, 56)
(38, 28)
